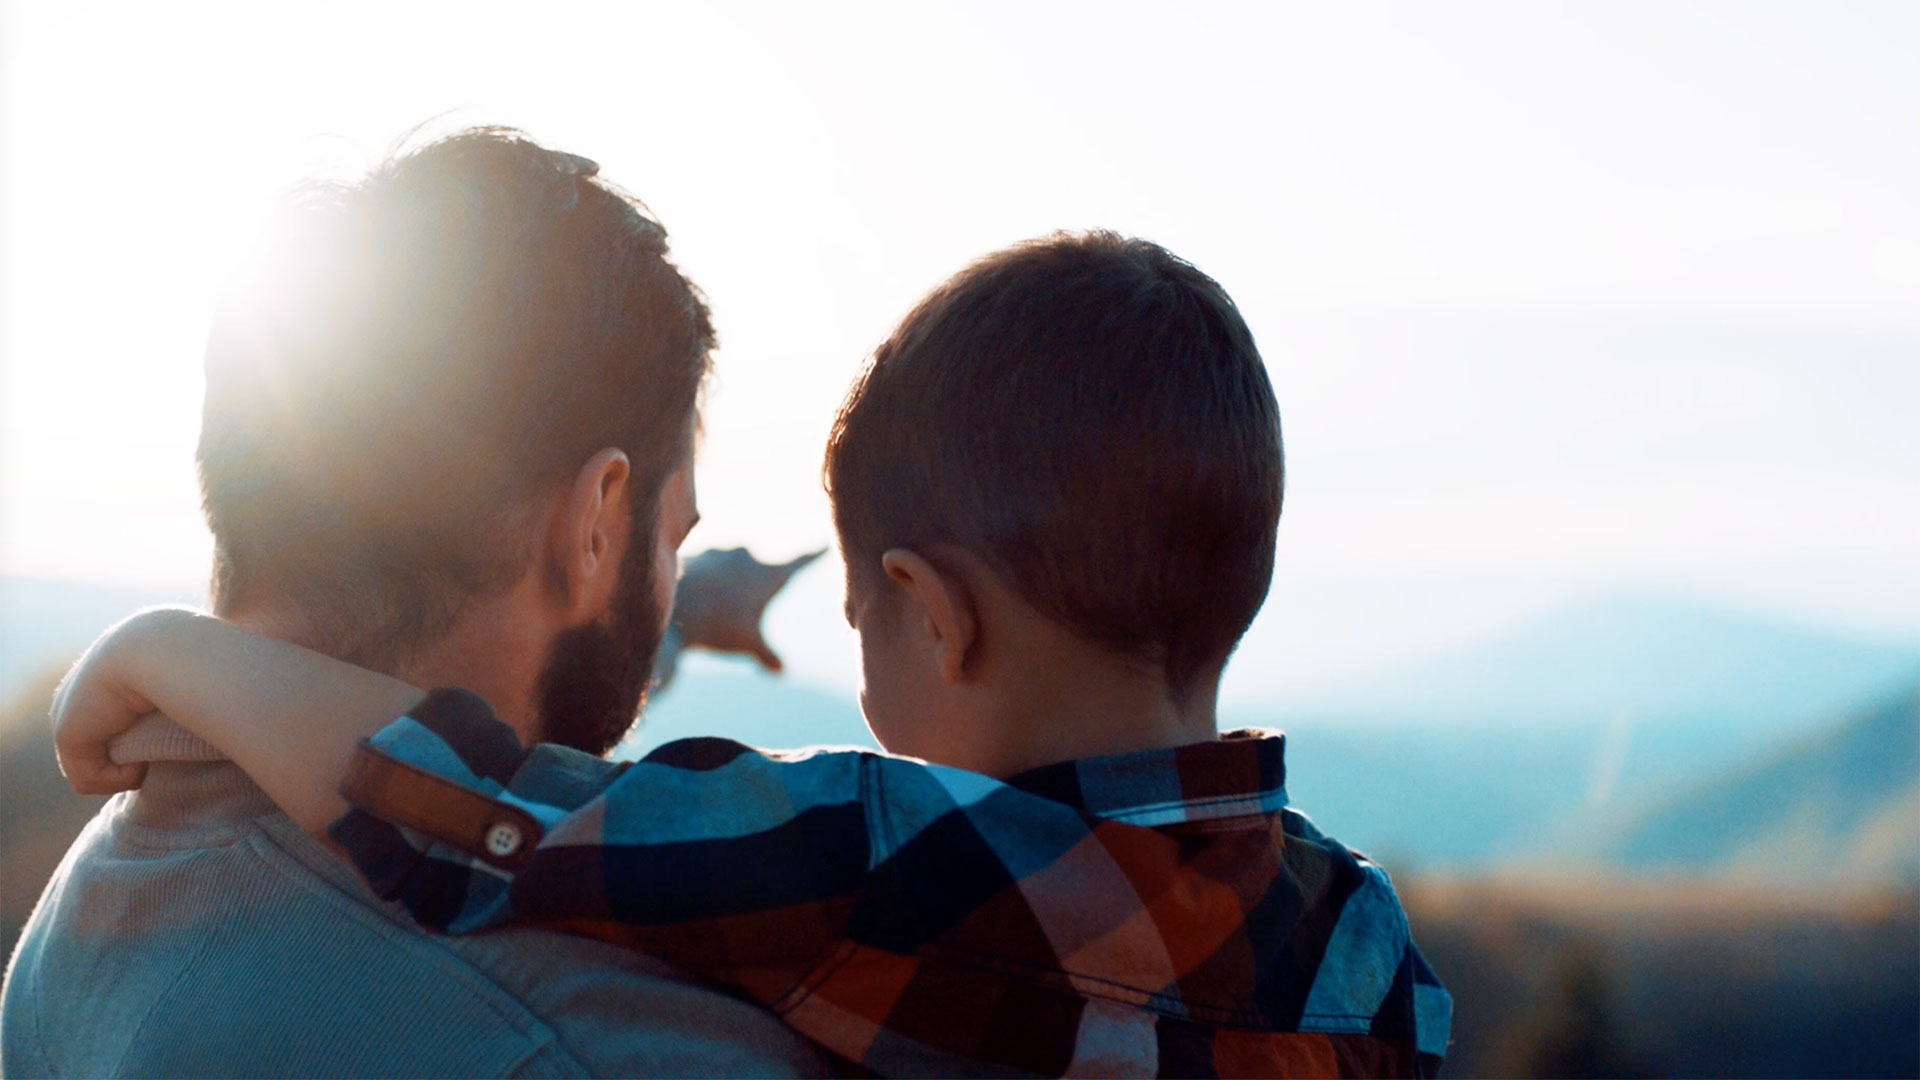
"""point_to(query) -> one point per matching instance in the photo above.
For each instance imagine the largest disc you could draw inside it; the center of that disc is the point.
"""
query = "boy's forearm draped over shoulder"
(289, 716)
(701, 829)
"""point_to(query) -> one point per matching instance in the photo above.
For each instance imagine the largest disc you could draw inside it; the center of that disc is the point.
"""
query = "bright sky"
(1556, 297)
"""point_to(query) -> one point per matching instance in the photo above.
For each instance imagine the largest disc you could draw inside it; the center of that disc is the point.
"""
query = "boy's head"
(1083, 424)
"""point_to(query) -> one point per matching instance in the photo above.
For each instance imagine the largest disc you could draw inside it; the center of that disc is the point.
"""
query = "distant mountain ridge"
(1531, 744)
(1844, 803)
(1651, 657)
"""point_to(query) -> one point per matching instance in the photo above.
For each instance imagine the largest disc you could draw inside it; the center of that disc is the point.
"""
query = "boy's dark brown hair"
(1088, 415)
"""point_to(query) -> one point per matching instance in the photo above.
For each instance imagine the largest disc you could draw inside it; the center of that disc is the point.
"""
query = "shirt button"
(503, 839)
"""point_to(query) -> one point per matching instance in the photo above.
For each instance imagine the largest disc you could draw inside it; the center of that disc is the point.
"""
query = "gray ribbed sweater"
(193, 930)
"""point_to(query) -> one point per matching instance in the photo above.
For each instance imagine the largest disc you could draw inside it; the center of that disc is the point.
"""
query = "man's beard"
(597, 675)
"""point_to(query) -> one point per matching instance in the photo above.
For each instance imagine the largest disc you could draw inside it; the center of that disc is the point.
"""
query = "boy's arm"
(740, 864)
(288, 716)
(760, 869)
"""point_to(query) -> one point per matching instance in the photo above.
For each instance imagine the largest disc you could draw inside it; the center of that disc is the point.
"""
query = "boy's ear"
(586, 532)
(943, 604)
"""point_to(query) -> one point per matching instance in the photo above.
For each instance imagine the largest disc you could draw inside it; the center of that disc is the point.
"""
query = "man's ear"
(942, 603)
(588, 533)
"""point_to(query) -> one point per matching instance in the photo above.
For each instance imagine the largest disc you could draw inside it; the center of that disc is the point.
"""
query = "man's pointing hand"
(723, 596)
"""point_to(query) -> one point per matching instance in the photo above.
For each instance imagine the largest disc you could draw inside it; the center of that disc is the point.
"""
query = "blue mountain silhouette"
(1653, 657)
(1843, 802)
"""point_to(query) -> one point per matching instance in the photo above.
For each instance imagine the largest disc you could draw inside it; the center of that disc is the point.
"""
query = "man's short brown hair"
(1088, 415)
(420, 357)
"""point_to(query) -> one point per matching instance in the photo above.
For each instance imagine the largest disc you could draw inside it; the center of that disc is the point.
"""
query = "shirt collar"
(1241, 773)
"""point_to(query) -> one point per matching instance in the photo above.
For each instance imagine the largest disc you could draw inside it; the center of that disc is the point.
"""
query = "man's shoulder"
(615, 1010)
(265, 935)
(203, 951)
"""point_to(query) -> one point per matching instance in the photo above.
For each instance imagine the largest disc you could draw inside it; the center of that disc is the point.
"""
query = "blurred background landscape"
(1594, 329)
(1636, 836)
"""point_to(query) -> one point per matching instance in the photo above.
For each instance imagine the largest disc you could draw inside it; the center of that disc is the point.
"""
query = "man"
(447, 434)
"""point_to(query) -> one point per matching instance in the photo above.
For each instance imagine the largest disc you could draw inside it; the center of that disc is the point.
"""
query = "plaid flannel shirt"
(1159, 913)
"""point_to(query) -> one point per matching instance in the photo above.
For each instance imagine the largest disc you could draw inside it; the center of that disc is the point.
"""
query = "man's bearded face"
(596, 675)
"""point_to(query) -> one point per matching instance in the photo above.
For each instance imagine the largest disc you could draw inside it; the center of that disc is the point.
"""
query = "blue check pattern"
(1161, 913)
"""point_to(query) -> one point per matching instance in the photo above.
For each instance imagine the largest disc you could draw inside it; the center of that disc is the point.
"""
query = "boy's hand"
(96, 702)
(723, 595)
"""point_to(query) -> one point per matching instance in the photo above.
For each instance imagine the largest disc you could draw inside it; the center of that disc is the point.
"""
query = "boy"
(1056, 488)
